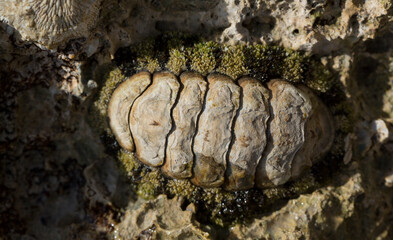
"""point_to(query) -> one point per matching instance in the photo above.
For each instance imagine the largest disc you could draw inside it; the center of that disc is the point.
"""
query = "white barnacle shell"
(50, 22)
(220, 132)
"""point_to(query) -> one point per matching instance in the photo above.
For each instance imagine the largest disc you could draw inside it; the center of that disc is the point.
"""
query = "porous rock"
(51, 22)
(161, 218)
(150, 118)
(179, 154)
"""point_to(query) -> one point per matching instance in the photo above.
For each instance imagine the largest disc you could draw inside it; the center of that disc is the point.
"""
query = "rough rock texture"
(51, 22)
(249, 135)
(179, 153)
(150, 118)
(120, 104)
(45, 191)
(306, 217)
(161, 218)
(290, 110)
(214, 134)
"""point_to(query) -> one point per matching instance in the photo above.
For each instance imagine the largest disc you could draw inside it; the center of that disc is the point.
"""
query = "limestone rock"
(160, 219)
(214, 131)
(179, 155)
(249, 134)
(120, 105)
(51, 22)
(150, 118)
(290, 110)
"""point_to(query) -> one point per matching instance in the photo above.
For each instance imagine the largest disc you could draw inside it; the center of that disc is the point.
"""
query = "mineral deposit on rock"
(218, 132)
(51, 22)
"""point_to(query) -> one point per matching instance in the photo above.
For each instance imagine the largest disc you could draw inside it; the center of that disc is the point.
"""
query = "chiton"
(219, 132)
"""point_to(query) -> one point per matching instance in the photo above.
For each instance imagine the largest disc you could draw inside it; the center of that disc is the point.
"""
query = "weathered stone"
(150, 118)
(249, 134)
(290, 109)
(51, 22)
(120, 105)
(214, 131)
(179, 155)
(319, 136)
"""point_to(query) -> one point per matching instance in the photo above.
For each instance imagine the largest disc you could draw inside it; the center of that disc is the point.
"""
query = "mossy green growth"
(150, 184)
(203, 57)
(177, 61)
(233, 61)
(99, 108)
(319, 77)
(129, 162)
(146, 56)
(177, 53)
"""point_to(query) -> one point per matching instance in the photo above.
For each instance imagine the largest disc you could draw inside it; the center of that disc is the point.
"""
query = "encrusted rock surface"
(161, 218)
(51, 22)
(56, 182)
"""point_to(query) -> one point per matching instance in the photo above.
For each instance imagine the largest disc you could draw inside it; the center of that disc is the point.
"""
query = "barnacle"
(51, 22)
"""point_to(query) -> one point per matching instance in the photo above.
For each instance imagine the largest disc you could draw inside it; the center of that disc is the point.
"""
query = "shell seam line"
(173, 127)
(233, 137)
(132, 105)
(269, 141)
(197, 125)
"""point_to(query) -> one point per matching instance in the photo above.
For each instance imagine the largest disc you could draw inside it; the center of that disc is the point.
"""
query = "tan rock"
(120, 105)
(249, 134)
(319, 136)
(51, 22)
(290, 109)
(150, 118)
(161, 218)
(179, 155)
(214, 131)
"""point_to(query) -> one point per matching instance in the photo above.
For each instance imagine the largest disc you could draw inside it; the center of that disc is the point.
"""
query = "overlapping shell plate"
(218, 132)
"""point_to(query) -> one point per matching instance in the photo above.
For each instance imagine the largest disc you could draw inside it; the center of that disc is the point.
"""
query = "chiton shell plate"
(218, 132)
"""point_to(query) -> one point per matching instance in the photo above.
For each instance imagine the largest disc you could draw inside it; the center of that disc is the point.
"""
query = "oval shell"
(218, 132)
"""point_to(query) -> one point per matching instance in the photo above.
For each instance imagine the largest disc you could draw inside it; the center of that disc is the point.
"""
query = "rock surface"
(120, 104)
(150, 118)
(214, 134)
(51, 22)
(249, 135)
(45, 143)
(161, 218)
(179, 153)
